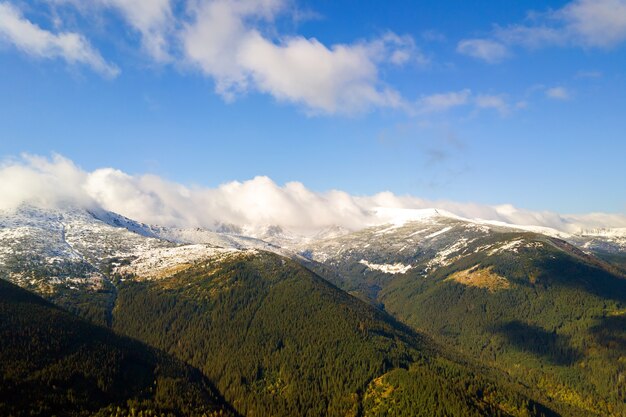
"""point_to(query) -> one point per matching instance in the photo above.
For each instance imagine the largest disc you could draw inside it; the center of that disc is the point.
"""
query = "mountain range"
(428, 314)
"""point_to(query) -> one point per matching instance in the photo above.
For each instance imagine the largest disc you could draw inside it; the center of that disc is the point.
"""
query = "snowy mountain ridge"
(76, 248)
(611, 239)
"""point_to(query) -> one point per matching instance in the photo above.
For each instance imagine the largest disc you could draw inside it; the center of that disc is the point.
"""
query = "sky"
(486, 103)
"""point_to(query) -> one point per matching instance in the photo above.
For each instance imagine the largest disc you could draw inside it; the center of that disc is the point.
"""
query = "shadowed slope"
(52, 362)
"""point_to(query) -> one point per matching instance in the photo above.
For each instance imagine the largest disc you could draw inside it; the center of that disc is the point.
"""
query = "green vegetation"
(443, 389)
(617, 259)
(515, 322)
(279, 340)
(559, 325)
(53, 363)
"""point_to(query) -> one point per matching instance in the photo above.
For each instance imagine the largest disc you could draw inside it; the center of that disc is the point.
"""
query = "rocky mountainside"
(431, 239)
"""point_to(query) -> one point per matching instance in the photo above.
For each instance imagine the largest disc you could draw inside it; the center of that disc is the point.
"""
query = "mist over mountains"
(248, 207)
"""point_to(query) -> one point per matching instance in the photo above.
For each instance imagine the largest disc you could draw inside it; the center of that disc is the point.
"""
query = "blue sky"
(488, 101)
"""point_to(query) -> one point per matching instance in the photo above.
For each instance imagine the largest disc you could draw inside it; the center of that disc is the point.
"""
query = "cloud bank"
(251, 205)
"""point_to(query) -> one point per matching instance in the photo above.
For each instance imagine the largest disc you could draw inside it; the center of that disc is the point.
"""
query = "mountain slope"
(545, 312)
(274, 337)
(536, 313)
(279, 340)
(53, 363)
(59, 253)
(67, 255)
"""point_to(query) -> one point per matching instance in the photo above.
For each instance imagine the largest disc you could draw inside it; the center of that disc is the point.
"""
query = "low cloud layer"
(251, 205)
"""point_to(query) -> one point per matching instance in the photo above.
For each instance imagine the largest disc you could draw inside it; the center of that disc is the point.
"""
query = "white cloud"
(400, 57)
(594, 23)
(580, 23)
(443, 101)
(43, 182)
(485, 49)
(532, 37)
(251, 204)
(239, 46)
(153, 19)
(496, 102)
(399, 50)
(226, 42)
(31, 39)
(558, 93)
(343, 78)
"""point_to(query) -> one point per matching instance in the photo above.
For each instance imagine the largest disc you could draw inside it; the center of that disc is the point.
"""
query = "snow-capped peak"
(548, 231)
(401, 216)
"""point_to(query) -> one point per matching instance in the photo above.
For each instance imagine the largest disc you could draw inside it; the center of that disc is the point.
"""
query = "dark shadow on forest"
(554, 348)
(564, 270)
(611, 333)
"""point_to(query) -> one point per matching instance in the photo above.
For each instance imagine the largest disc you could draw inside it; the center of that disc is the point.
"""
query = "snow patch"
(443, 256)
(507, 247)
(163, 262)
(514, 246)
(439, 232)
(396, 268)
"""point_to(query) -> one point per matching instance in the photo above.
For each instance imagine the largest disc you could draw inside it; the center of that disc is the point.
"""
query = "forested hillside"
(538, 322)
(53, 363)
(279, 340)
(536, 307)
(552, 318)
